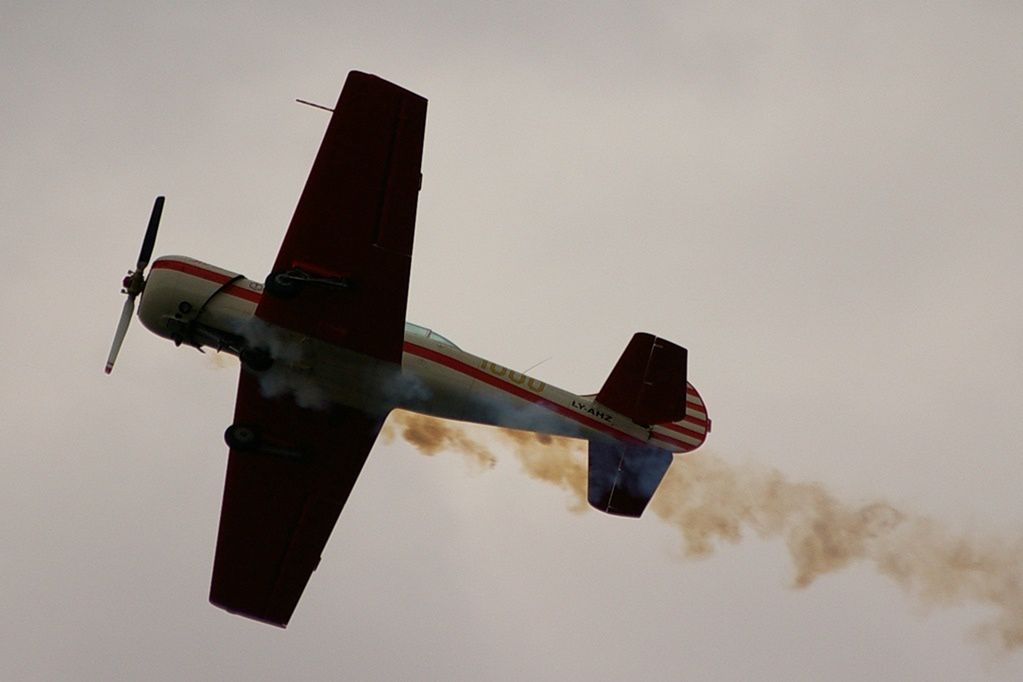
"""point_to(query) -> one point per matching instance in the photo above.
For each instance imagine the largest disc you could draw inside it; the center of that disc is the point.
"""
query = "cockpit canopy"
(423, 332)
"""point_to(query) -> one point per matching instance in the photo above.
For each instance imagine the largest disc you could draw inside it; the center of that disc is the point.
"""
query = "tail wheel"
(240, 437)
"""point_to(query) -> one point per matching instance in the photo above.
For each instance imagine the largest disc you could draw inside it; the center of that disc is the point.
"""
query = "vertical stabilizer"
(648, 384)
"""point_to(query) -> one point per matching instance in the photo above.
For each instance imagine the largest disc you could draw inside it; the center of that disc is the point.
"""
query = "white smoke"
(290, 373)
(258, 334)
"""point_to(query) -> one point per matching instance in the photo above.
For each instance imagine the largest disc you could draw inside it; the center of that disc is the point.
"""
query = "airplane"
(326, 353)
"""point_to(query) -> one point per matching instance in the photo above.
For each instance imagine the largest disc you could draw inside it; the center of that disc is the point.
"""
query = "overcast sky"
(821, 202)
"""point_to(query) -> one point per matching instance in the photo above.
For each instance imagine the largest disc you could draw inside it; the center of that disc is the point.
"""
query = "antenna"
(313, 104)
(537, 365)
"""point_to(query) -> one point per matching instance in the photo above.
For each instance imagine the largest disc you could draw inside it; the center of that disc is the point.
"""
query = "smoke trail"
(284, 376)
(560, 461)
(431, 436)
(710, 501)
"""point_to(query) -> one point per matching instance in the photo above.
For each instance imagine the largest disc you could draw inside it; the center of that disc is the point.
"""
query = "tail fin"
(648, 384)
(623, 478)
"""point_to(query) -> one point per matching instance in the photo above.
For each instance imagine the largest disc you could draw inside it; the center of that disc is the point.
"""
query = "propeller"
(135, 282)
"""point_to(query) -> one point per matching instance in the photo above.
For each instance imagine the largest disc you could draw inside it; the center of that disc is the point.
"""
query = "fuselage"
(200, 305)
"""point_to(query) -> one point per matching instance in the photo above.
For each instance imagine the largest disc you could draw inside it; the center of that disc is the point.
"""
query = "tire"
(256, 359)
(241, 437)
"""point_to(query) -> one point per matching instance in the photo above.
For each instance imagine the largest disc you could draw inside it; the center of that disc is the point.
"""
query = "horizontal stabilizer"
(648, 384)
(623, 478)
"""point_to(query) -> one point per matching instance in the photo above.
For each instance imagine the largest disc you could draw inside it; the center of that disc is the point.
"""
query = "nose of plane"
(159, 300)
(178, 293)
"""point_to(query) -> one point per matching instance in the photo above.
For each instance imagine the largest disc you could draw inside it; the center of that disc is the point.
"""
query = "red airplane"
(326, 354)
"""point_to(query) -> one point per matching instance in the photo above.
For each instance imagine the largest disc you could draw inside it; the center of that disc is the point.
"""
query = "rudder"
(648, 383)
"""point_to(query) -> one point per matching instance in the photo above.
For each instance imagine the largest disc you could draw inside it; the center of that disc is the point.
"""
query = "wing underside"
(352, 230)
(282, 496)
(344, 267)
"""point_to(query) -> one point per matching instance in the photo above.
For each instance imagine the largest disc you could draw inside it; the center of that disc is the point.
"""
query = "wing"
(342, 271)
(287, 482)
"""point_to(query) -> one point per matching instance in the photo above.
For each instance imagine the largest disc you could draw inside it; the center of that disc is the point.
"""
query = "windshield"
(418, 330)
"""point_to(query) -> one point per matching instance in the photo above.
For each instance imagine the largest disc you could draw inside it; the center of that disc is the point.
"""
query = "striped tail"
(648, 383)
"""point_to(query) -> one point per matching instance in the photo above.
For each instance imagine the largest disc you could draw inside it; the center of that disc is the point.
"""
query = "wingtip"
(257, 616)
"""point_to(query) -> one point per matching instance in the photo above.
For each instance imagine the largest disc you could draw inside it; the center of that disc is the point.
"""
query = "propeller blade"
(150, 239)
(122, 329)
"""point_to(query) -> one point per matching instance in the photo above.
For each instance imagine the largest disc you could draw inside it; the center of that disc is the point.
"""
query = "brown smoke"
(431, 436)
(711, 501)
(560, 461)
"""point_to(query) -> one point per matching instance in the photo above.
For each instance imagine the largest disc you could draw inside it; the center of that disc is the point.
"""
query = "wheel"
(284, 284)
(256, 359)
(240, 437)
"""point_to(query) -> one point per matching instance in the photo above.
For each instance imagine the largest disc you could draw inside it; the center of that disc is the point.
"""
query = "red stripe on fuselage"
(682, 429)
(686, 447)
(453, 364)
(209, 276)
(686, 425)
(487, 378)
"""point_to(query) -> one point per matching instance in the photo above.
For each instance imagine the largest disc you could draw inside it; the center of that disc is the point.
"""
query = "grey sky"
(822, 202)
